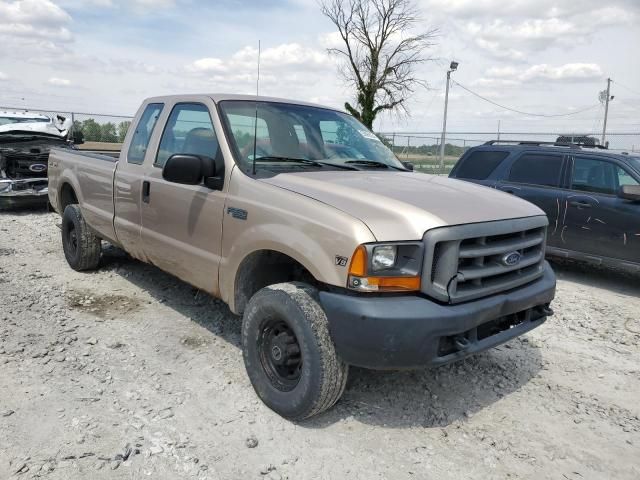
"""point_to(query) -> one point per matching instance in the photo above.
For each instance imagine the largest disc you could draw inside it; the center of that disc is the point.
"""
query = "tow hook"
(546, 310)
(462, 343)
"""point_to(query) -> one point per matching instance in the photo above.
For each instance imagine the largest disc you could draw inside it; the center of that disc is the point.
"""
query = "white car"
(25, 140)
(35, 122)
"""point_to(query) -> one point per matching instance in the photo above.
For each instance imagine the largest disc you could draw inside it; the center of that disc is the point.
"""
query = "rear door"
(537, 178)
(182, 224)
(597, 221)
(127, 189)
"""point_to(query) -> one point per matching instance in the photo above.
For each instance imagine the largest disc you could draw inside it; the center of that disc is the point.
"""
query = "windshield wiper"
(304, 161)
(275, 158)
(374, 164)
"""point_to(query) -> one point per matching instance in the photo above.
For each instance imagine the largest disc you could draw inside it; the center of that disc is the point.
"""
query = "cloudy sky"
(540, 56)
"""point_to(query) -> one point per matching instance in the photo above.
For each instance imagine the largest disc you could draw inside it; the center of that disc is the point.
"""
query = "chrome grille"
(471, 261)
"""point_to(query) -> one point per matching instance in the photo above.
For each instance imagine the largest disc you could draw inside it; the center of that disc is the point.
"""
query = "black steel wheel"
(288, 352)
(81, 246)
(280, 354)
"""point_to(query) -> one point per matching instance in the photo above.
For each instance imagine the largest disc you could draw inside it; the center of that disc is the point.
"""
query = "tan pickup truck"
(298, 217)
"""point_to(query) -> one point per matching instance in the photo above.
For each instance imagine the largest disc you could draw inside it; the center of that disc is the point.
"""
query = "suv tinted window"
(598, 176)
(141, 136)
(537, 169)
(189, 130)
(479, 164)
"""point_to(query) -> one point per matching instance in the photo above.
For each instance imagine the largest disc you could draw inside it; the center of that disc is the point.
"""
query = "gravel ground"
(127, 373)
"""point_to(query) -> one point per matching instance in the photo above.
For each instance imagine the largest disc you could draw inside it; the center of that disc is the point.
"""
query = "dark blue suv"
(590, 195)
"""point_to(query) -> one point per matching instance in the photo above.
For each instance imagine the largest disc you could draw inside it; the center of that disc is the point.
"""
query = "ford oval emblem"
(511, 259)
(37, 167)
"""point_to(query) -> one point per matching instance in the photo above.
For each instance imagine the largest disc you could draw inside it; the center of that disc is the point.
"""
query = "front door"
(182, 224)
(537, 178)
(598, 222)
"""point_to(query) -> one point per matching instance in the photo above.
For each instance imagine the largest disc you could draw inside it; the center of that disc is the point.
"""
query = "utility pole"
(452, 68)
(606, 110)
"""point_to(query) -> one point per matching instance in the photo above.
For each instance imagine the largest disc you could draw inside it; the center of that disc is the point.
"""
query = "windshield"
(635, 162)
(289, 132)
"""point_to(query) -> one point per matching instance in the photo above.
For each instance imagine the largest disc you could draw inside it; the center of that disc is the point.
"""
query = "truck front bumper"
(23, 192)
(412, 331)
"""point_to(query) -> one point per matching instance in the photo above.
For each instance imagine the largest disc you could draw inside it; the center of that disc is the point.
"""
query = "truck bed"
(91, 175)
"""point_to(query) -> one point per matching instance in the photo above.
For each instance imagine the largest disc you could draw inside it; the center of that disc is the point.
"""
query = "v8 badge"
(341, 261)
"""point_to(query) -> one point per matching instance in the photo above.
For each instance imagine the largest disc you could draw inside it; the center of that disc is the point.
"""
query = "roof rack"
(553, 144)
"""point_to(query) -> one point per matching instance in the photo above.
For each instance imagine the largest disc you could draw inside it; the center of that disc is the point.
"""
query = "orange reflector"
(358, 266)
(395, 283)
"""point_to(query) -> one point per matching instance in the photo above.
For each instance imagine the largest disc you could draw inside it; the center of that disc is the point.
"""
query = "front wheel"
(81, 246)
(288, 352)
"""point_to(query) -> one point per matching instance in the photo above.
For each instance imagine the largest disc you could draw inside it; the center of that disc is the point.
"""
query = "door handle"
(580, 204)
(146, 191)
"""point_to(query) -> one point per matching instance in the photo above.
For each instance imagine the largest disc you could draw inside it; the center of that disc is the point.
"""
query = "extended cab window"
(142, 135)
(189, 130)
(537, 169)
(598, 176)
(478, 165)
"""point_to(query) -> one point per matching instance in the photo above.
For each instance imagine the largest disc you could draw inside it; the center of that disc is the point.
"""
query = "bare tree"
(380, 52)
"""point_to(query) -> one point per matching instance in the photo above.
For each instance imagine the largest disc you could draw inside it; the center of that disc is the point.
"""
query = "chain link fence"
(107, 132)
(423, 148)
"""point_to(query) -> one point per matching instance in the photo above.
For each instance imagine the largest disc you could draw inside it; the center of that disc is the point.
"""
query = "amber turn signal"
(358, 266)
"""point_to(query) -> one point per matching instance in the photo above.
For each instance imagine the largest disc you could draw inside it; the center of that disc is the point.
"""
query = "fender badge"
(341, 261)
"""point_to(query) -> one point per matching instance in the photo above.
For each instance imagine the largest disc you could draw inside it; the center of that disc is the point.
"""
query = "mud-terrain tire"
(280, 321)
(81, 246)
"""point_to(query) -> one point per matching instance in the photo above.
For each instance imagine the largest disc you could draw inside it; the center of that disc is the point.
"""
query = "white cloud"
(525, 8)
(569, 72)
(59, 82)
(496, 50)
(3, 77)
(330, 40)
(208, 65)
(34, 20)
(284, 59)
(518, 29)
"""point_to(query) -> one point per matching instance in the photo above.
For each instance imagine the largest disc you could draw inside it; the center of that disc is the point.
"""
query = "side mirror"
(408, 165)
(630, 192)
(188, 169)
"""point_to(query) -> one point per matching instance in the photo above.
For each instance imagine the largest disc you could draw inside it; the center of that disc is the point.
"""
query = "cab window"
(537, 169)
(142, 135)
(189, 130)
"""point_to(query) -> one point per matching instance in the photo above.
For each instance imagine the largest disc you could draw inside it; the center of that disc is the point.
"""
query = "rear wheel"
(288, 353)
(81, 246)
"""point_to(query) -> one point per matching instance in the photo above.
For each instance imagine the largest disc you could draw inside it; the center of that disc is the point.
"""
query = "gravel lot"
(128, 373)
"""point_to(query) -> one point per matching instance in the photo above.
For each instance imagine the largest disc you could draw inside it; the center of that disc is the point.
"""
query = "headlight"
(5, 185)
(383, 257)
(390, 267)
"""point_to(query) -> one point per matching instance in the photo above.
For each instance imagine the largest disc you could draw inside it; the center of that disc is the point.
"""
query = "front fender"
(259, 216)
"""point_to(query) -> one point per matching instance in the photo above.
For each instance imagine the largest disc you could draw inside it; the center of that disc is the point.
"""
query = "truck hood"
(404, 205)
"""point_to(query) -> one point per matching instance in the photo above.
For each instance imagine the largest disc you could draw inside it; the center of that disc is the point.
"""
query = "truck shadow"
(23, 210)
(432, 398)
(418, 398)
(616, 281)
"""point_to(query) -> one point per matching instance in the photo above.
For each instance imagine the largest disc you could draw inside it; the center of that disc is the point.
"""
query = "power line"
(626, 88)
(520, 111)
